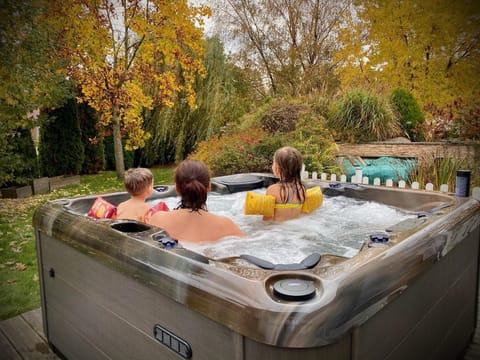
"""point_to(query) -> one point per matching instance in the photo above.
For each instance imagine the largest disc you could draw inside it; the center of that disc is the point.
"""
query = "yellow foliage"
(428, 47)
(118, 50)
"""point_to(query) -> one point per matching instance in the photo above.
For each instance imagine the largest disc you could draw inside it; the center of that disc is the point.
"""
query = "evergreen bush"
(61, 148)
(409, 113)
(92, 141)
(19, 166)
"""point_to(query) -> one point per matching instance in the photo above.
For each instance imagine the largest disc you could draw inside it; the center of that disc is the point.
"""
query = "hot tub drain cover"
(294, 289)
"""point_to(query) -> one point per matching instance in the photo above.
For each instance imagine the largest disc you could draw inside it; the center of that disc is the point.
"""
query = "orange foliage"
(130, 56)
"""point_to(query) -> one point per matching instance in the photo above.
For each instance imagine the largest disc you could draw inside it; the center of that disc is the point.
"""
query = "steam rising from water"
(339, 227)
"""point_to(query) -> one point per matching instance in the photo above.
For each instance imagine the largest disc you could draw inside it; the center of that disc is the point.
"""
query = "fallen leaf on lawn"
(20, 266)
(11, 281)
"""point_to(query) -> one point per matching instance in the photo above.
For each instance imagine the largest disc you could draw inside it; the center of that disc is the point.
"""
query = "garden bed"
(14, 192)
(61, 181)
(39, 186)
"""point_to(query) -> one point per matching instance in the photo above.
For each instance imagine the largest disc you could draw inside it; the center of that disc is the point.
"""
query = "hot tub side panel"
(93, 311)
(434, 318)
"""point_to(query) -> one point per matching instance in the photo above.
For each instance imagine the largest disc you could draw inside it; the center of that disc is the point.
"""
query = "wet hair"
(136, 180)
(192, 179)
(289, 161)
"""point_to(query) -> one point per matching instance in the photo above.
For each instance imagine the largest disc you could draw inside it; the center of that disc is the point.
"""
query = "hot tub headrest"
(309, 262)
(239, 182)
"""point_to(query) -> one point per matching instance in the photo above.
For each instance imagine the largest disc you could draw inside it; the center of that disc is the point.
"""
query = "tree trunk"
(117, 145)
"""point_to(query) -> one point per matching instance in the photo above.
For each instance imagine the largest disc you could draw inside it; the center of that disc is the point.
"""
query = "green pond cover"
(384, 168)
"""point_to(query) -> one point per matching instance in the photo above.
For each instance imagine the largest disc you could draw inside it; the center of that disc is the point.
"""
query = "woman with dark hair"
(190, 221)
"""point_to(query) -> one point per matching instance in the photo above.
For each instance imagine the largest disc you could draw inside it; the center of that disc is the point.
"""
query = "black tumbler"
(462, 185)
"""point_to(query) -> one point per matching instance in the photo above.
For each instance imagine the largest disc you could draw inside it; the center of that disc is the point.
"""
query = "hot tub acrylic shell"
(109, 293)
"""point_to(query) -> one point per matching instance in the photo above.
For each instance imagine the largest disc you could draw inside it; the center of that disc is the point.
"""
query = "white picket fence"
(364, 180)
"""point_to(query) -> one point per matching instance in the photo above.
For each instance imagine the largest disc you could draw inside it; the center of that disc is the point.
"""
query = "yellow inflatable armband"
(313, 199)
(259, 204)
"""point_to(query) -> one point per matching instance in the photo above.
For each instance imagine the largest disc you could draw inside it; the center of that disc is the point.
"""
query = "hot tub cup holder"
(335, 185)
(160, 188)
(293, 287)
(130, 227)
(378, 240)
(166, 241)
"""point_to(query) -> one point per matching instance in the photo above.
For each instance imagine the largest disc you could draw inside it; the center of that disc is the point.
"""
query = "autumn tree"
(128, 56)
(289, 41)
(429, 47)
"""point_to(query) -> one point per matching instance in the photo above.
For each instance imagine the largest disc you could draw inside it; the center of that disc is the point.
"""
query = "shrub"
(249, 151)
(19, 164)
(252, 150)
(313, 139)
(360, 117)
(61, 148)
(409, 113)
(281, 117)
(467, 126)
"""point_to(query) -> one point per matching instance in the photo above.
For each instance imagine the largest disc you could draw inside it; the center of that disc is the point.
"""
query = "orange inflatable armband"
(161, 206)
(102, 209)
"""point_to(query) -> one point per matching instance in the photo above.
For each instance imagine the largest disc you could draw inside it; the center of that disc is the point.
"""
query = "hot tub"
(118, 290)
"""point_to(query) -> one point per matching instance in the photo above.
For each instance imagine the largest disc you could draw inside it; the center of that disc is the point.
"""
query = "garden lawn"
(19, 281)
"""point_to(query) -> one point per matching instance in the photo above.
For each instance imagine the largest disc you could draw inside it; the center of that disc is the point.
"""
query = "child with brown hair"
(139, 184)
(289, 192)
(288, 198)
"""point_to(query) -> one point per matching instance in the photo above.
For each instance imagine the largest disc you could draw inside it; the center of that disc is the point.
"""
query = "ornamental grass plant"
(437, 170)
(362, 117)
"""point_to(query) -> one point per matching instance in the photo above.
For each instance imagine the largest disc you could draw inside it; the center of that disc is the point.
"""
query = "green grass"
(19, 282)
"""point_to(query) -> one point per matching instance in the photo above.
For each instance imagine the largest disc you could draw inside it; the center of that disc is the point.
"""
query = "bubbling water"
(339, 227)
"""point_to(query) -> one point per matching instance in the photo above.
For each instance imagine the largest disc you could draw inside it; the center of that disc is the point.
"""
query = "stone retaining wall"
(468, 151)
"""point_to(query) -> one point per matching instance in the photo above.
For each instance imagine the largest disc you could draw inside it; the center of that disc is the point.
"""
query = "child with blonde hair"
(139, 184)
